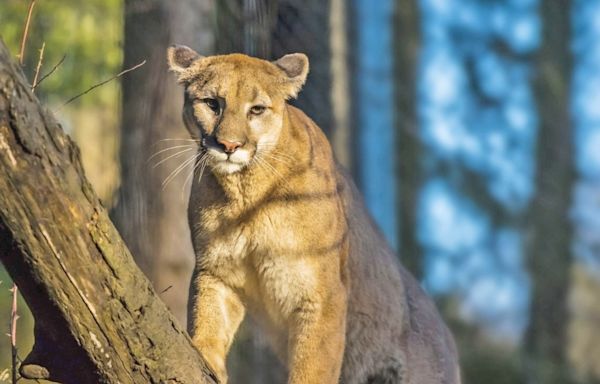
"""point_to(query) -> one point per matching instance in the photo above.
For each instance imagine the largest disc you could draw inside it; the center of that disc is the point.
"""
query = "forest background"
(471, 126)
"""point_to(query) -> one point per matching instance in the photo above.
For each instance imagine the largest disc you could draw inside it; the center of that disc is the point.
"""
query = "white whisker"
(189, 177)
(268, 166)
(271, 149)
(277, 158)
(169, 149)
(172, 156)
(177, 170)
(194, 140)
(202, 169)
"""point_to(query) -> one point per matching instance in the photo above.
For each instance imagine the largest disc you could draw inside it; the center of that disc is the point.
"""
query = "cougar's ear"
(181, 58)
(295, 69)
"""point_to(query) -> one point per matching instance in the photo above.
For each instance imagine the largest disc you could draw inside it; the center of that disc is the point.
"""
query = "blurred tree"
(303, 26)
(478, 128)
(583, 345)
(152, 217)
(406, 46)
(246, 26)
(341, 135)
(229, 22)
(551, 233)
(373, 110)
(584, 296)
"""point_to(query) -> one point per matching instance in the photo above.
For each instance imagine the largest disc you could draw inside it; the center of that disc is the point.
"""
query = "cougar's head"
(234, 104)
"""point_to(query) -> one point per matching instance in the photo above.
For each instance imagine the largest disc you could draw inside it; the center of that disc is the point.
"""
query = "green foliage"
(24, 323)
(88, 32)
(483, 361)
(492, 365)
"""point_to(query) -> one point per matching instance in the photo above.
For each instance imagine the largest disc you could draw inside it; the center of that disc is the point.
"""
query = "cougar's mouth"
(224, 161)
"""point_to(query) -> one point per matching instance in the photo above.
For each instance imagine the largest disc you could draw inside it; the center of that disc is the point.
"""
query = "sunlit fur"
(281, 233)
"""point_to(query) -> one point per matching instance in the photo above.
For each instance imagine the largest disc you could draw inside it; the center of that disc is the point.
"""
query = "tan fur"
(280, 233)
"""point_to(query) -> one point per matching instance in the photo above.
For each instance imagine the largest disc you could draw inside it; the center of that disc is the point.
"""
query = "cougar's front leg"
(216, 313)
(316, 339)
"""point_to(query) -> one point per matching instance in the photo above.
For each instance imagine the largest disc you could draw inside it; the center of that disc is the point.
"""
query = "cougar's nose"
(229, 146)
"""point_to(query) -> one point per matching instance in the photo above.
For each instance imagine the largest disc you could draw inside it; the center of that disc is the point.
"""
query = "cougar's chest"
(222, 248)
(252, 256)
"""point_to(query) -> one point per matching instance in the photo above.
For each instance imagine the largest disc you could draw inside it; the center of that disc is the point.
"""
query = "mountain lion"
(281, 233)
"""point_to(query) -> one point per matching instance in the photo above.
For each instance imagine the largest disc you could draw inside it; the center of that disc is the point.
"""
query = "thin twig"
(13, 332)
(26, 32)
(165, 290)
(103, 82)
(38, 67)
(50, 72)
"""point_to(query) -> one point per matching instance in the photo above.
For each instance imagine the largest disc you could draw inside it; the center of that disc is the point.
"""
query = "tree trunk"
(373, 110)
(550, 247)
(245, 26)
(304, 27)
(230, 26)
(98, 319)
(341, 135)
(153, 218)
(408, 143)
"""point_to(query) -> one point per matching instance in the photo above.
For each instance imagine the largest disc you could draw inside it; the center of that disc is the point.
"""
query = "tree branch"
(98, 320)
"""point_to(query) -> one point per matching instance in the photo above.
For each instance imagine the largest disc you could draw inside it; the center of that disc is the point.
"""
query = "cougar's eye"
(213, 104)
(257, 109)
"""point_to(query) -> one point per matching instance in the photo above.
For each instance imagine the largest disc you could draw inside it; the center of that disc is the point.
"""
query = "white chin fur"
(236, 162)
(227, 167)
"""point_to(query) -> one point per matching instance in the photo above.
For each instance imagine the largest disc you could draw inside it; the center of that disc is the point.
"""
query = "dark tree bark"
(98, 319)
(409, 145)
(153, 219)
(551, 233)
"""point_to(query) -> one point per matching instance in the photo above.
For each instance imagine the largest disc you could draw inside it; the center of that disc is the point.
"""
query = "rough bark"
(153, 219)
(551, 233)
(98, 319)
